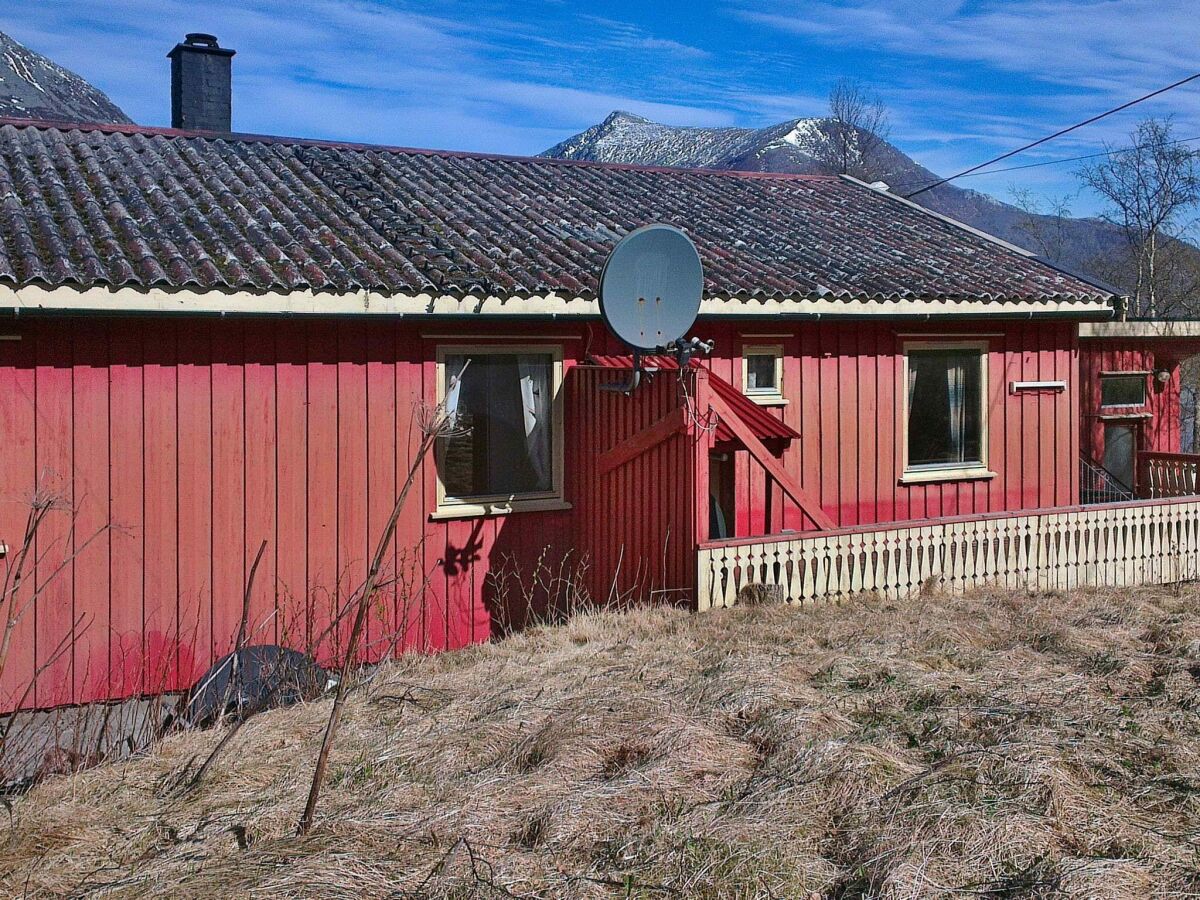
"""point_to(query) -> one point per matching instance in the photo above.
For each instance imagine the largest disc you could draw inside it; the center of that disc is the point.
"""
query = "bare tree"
(1044, 225)
(1152, 189)
(858, 128)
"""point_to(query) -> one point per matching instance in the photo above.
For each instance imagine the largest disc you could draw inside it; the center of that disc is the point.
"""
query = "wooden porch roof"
(765, 426)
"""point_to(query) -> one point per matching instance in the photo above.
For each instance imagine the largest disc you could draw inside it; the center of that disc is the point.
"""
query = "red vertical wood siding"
(1160, 432)
(91, 594)
(17, 409)
(127, 455)
(260, 479)
(381, 477)
(196, 439)
(193, 637)
(637, 523)
(229, 433)
(54, 612)
(161, 529)
(848, 406)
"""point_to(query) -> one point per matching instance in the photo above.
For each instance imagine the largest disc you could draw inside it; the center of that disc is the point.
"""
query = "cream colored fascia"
(560, 306)
(496, 505)
(1146, 328)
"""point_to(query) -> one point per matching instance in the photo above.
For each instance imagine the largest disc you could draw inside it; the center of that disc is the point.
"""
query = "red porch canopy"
(766, 427)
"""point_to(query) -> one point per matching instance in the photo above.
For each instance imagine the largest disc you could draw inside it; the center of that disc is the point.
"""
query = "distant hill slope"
(34, 87)
(793, 147)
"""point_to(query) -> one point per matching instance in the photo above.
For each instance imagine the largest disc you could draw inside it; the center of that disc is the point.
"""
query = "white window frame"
(921, 474)
(503, 504)
(764, 396)
(1144, 375)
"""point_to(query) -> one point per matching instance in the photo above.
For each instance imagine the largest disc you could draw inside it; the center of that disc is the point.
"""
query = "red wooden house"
(212, 340)
(1130, 408)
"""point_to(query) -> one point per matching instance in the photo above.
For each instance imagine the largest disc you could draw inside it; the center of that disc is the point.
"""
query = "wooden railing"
(1168, 474)
(1098, 485)
(1122, 544)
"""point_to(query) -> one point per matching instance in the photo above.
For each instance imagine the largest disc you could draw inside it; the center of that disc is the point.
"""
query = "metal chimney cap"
(200, 42)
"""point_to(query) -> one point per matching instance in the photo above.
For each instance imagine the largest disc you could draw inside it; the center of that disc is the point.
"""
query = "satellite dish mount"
(650, 292)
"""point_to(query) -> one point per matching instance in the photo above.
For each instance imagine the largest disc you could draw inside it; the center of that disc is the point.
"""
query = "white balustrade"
(1117, 545)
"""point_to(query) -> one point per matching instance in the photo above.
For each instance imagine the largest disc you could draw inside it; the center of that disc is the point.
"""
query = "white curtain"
(455, 367)
(956, 380)
(912, 384)
(535, 404)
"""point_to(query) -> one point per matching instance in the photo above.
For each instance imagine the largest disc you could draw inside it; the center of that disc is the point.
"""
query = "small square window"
(762, 374)
(1123, 390)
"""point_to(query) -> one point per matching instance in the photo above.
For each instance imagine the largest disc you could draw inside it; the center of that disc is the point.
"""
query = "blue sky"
(964, 80)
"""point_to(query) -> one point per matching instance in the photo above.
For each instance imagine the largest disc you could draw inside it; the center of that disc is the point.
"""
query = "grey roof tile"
(122, 205)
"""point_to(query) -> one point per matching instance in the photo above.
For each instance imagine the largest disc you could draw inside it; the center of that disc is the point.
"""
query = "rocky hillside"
(33, 87)
(795, 146)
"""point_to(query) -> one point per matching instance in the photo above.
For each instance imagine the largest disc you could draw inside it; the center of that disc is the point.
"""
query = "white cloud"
(628, 36)
(964, 81)
(1105, 45)
(351, 69)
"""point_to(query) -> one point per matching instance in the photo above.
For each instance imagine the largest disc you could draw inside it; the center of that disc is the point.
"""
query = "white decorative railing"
(1168, 474)
(1143, 542)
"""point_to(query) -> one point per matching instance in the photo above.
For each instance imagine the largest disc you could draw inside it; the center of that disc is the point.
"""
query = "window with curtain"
(945, 408)
(504, 406)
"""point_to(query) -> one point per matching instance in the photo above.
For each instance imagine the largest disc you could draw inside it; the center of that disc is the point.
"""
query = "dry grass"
(997, 745)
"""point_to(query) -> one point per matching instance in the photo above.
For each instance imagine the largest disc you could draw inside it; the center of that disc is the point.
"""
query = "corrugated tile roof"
(129, 206)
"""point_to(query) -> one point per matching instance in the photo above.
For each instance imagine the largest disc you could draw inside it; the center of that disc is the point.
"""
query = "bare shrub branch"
(435, 424)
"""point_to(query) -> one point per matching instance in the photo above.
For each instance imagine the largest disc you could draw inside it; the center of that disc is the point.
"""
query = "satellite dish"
(651, 286)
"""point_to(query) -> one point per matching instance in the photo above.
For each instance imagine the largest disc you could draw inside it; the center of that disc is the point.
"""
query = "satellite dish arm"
(635, 378)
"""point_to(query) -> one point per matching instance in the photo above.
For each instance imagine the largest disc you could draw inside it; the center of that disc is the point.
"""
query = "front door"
(1120, 446)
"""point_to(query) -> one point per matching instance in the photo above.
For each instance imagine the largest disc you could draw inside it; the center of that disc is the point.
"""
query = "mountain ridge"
(793, 146)
(35, 87)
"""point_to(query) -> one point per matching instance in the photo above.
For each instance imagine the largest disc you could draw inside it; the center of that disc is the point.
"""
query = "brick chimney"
(201, 87)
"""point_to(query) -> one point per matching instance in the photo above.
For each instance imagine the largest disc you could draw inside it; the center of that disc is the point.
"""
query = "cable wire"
(1050, 137)
(1069, 159)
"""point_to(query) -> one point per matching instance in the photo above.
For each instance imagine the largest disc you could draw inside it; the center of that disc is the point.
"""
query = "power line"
(1051, 137)
(1070, 159)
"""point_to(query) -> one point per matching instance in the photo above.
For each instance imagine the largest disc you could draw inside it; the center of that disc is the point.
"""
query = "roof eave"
(38, 298)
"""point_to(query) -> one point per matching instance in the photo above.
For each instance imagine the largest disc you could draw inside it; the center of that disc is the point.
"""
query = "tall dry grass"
(998, 745)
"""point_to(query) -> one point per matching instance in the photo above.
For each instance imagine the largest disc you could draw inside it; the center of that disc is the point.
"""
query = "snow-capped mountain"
(623, 137)
(796, 147)
(33, 87)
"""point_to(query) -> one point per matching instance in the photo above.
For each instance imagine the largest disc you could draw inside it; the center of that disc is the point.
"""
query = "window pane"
(1122, 390)
(944, 403)
(760, 373)
(504, 404)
